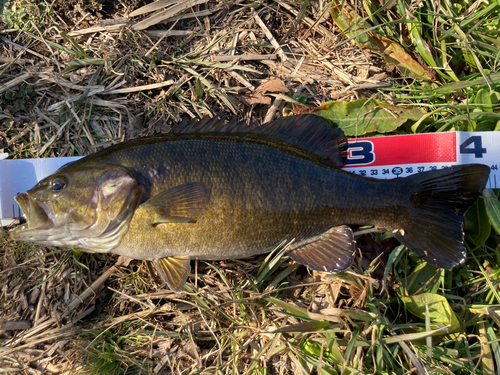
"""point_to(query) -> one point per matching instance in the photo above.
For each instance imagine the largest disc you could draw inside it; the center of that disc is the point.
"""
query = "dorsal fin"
(211, 125)
(309, 132)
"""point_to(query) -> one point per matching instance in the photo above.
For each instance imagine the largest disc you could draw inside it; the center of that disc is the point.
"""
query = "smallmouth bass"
(211, 190)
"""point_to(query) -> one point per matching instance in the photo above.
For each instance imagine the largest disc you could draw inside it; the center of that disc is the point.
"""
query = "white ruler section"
(379, 157)
(17, 176)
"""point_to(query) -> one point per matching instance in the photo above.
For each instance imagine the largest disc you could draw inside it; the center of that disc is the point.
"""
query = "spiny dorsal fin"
(312, 133)
(173, 271)
(331, 251)
(309, 132)
(211, 125)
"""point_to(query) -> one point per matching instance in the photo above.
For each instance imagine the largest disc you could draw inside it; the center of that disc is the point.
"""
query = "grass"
(67, 91)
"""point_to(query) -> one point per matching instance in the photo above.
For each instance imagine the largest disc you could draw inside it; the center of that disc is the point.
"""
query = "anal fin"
(173, 271)
(331, 251)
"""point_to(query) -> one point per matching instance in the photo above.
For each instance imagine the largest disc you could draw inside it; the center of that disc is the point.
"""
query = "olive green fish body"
(214, 190)
(260, 196)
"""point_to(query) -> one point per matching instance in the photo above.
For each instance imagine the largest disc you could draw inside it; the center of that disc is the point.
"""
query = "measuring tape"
(403, 155)
(379, 157)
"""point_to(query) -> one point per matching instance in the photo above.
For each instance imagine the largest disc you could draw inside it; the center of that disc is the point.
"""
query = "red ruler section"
(403, 149)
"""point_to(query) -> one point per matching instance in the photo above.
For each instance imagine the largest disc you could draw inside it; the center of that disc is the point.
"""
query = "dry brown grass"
(136, 74)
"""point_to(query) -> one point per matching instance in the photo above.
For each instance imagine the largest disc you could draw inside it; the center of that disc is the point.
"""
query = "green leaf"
(424, 277)
(313, 352)
(492, 205)
(199, 89)
(348, 20)
(78, 49)
(305, 327)
(455, 87)
(77, 64)
(488, 100)
(439, 309)
(294, 310)
(393, 256)
(477, 224)
(368, 116)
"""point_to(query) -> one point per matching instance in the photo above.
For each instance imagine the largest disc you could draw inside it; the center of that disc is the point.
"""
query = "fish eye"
(58, 184)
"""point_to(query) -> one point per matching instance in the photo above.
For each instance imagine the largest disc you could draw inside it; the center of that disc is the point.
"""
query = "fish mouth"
(36, 217)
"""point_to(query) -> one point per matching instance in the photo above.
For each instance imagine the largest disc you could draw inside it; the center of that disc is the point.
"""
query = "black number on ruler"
(360, 152)
(476, 146)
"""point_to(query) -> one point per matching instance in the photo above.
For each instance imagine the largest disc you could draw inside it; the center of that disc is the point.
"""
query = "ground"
(77, 76)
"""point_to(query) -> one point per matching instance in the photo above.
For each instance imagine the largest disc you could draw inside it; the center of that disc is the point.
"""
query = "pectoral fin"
(181, 204)
(331, 251)
(173, 271)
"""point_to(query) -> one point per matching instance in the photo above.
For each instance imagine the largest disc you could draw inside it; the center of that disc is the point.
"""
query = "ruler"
(379, 157)
(403, 155)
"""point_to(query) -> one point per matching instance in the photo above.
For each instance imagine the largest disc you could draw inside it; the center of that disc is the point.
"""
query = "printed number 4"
(473, 145)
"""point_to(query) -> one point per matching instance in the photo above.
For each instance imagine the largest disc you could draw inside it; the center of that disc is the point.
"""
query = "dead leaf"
(272, 85)
(393, 53)
(254, 98)
(300, 109)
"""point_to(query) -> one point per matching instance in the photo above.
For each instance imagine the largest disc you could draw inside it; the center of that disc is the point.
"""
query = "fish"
(214, 190)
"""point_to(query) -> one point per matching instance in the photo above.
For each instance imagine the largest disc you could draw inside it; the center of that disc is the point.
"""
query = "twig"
(247, 56)
(91, 290)
(17, 325)
(6, 40)
(166, 14)
(139, 88)
(269, 36)
(152, 7)
(14, 82)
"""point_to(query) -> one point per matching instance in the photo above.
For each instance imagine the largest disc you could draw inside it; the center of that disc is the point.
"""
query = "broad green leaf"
(487, 99)
(439, 309)
(333, 347)
(492, 208)
(368, 116)
(424, 277)
(477, 224)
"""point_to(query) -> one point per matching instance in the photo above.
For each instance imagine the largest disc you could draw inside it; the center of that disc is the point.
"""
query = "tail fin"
(439, 199)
